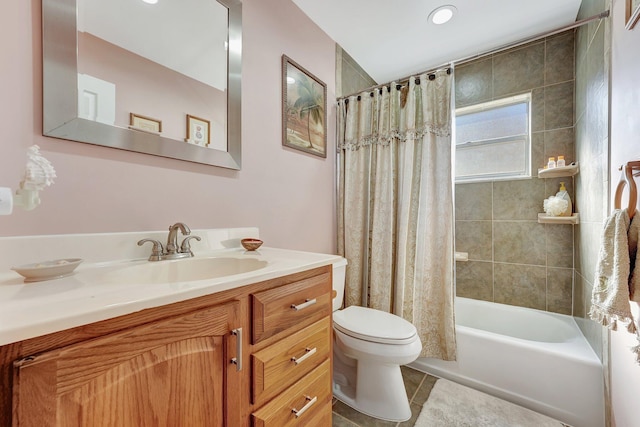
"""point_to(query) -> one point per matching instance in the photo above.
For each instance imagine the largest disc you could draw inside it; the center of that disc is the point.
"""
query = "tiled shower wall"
(592, 148)
(350, 77)
(512, 258)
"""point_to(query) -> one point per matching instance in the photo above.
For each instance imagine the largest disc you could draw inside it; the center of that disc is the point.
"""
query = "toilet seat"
(374, 325)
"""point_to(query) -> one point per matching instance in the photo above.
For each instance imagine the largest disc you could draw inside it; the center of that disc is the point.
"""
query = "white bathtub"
(535, 359)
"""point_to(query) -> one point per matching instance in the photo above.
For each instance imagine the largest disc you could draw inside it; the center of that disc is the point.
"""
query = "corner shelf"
(570, 170)
(546, 219)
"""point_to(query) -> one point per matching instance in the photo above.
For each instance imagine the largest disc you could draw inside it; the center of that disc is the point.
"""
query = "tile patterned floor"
(418, 387)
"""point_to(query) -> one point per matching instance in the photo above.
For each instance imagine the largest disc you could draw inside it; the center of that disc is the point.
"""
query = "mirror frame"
(60, 94)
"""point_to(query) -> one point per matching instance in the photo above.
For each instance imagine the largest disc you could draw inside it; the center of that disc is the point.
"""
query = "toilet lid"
(373, 325)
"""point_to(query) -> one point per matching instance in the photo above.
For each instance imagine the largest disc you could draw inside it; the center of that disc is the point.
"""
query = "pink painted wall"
(143, 86)
(625, 146)
(288, 194)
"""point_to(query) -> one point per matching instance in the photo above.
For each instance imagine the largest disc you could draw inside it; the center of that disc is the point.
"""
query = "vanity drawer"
(285, 362)
(308, 397)
(281, 308)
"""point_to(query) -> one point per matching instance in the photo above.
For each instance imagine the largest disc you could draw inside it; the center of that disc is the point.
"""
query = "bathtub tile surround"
(559, 287)
(592, 147)
(536, 258)
(519, 242)
(515, 283)
(474, 279)
(350, 77)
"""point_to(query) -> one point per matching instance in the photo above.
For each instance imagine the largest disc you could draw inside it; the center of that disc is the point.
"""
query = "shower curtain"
(395, 205)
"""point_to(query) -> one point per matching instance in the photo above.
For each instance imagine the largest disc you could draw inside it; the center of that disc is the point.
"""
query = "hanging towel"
(634, 261)
(610, 297)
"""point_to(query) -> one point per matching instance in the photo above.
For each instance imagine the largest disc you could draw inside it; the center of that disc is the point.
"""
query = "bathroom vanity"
(251, 348)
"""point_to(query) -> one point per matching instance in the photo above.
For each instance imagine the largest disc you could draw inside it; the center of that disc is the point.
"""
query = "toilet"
(369, 347)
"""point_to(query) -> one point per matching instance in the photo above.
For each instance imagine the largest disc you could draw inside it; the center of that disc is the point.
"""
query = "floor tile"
(424, 390)
(339, 421)
(359, 418)
(412, 380)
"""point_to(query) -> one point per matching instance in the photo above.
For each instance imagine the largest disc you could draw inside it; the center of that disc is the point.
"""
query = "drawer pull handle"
(309, 353)
(238, 359)
(305, 407)
(307, 303)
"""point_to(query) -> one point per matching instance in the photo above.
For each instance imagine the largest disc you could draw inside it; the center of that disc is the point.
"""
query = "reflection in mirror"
(160, 78)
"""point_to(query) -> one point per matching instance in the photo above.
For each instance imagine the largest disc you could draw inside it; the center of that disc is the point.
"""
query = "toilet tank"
(339, 274)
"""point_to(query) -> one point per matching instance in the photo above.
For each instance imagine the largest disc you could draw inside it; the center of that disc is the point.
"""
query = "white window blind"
(493, 140)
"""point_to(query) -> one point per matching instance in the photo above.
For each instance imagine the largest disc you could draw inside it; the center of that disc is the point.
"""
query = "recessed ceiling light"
(290, 80)
(150, 1)
(442, 14)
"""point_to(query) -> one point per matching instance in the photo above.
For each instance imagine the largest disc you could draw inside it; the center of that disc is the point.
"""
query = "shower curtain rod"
(462, 60)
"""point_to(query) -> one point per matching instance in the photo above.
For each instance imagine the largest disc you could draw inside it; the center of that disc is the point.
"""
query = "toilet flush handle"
(307, 303)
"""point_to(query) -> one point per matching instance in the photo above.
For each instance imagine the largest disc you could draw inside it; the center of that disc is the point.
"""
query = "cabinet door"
(172, 372)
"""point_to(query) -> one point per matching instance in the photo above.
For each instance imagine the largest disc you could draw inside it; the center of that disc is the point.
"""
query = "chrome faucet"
(172, 250)
(172, 240)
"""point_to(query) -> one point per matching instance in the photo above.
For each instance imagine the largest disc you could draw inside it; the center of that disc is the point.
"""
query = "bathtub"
(532, 358)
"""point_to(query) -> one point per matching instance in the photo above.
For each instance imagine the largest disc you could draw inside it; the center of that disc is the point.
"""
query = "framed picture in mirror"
(198, 131)
(632, 13)
(144, 123)
(304, 106)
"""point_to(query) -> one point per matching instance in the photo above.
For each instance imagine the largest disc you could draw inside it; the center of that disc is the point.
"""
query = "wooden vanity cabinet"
(291, 379)
(172, 372)
(179, 364)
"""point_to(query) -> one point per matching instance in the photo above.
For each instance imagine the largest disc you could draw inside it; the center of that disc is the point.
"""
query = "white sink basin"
(183, 270)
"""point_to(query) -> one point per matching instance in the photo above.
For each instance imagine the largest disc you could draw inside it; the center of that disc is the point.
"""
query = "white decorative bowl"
(47, 270)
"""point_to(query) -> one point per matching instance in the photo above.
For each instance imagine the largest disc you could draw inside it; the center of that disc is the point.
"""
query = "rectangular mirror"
(161, 79)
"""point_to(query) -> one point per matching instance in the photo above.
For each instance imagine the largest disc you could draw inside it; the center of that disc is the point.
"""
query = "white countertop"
(29, 310)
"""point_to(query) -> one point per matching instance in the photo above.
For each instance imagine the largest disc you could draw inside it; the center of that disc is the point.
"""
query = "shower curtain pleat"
(395, 222)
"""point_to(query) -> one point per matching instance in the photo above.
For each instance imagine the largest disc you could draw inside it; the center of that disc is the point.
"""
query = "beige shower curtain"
(396, 205)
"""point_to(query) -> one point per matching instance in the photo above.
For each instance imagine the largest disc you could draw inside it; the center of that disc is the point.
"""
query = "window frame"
(488, 106)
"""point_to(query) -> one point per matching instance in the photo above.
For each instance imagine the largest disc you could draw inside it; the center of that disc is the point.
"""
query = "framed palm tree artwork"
(304, 106)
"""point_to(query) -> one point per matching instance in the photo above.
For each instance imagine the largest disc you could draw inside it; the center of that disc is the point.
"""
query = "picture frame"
(144, 123)
(198, 131)
(304, 107)
(632, 13)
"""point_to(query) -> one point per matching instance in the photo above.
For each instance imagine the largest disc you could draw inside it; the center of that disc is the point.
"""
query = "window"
(493, 140)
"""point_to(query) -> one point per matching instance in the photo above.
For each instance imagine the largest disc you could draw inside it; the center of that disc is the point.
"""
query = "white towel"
(634, 258)
(610, 297)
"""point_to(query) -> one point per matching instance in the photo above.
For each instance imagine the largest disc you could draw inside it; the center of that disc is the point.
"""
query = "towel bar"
(626, 178)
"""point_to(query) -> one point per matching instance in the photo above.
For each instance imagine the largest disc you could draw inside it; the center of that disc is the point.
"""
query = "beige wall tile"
(518, 70)
(559, 58)
(474, 279)
(473, 201)
(521, 242)
(474, 82)
(559, 290)
(521, 285)
(518, 200)
(559, 238)
(475, 238)
(558, 105)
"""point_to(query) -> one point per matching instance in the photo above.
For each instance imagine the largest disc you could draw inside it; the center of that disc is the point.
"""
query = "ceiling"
(392, 39)
(187, 36)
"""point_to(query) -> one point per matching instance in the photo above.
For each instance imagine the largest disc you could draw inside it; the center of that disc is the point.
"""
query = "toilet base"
(378, 390)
